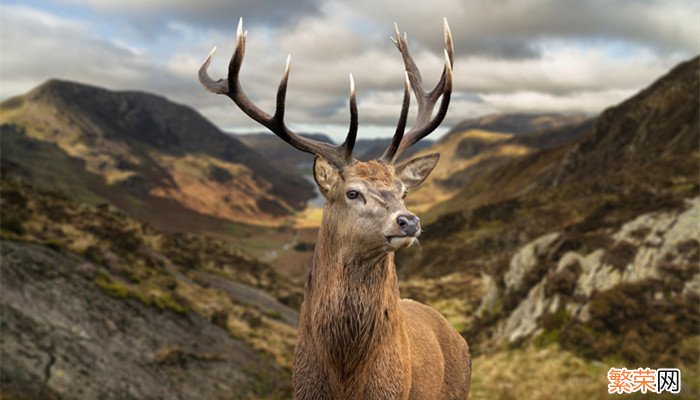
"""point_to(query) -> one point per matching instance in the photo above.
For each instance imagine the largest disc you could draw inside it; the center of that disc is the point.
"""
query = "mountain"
(645, 144)
(159, 161)
(370, 149)
(273, 148)
(591, 245)
(97, 305)
(517, 123)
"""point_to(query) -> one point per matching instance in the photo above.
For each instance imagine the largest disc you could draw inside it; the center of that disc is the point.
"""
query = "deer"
(357, 339)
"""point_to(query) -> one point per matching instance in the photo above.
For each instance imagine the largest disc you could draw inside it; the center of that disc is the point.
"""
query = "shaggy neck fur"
(352, 301)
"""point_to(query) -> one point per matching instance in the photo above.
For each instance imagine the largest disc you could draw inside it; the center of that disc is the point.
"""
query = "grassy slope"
(434, 190)
(475, 151)
(167, 271)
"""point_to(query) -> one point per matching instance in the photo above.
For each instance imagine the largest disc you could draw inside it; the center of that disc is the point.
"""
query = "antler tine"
(339, 156)
(349, 143)
(414, 75)
(449, 48)
(389, 153)
(425, 123)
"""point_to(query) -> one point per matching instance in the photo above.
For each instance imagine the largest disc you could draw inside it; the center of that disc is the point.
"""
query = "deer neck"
(351, 303)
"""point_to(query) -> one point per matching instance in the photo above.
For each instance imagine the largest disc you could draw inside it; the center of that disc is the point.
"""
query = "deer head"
(364, 200)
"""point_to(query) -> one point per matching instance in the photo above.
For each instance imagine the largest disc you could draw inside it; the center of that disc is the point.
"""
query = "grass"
(151, 296)
(550, 373)
(49, 166)
(113, 288)
(310, 217)
(238, 229)
(537, 373)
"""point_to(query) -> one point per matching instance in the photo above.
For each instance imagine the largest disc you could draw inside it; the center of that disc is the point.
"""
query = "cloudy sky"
(511, 55)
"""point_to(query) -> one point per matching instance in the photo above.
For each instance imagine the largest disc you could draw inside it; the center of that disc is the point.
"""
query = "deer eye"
(404, 195)
(353, 194)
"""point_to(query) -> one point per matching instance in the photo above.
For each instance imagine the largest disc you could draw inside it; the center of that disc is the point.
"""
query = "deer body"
(357, 339)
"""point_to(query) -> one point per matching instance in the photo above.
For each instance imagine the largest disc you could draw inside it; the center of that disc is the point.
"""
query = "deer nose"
(409, 224)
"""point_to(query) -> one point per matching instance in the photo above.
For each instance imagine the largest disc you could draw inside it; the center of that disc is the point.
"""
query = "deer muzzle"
(409, 224)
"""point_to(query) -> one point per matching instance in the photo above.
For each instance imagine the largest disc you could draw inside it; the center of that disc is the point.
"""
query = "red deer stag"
(357, 338)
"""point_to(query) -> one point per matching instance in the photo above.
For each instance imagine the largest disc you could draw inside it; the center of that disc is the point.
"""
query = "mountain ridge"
(144, 153)
(274, 148)
(517, 123)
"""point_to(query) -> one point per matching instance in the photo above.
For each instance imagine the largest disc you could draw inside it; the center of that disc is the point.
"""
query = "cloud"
(39, 45)
(221, 14)
(502, 29)
(582, 101)
(665, 26)
(562, 70)
(525, 55)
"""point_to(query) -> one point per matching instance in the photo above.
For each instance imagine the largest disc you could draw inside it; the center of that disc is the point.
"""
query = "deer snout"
(409, 224)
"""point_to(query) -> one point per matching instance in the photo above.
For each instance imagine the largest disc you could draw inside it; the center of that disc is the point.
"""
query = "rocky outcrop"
(660, 247)
(64, 338)
(526, 260)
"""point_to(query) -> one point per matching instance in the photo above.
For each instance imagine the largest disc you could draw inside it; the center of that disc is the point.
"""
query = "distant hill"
(159, 161)
(585, 243)
(273, 148)
(517, 123)
(370, 149)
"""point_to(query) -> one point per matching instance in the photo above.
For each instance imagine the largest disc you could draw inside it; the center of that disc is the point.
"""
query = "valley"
(559, 245)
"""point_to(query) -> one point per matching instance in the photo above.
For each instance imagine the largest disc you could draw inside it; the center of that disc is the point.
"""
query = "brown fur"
(357, 338)
(371, 171)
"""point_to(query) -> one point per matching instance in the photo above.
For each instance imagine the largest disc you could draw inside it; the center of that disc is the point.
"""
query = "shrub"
(620, 255)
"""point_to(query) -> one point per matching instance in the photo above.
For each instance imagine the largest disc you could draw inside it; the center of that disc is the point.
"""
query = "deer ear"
(325, 174)
(412, 173)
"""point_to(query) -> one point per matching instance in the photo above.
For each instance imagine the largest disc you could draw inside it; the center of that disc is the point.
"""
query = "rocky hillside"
(592, 245)
(97, 305)
(649, 266)
(64, 337)
(150, 157)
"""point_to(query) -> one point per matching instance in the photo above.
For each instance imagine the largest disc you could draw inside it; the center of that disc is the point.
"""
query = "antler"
(339, 156)
(424, 124)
